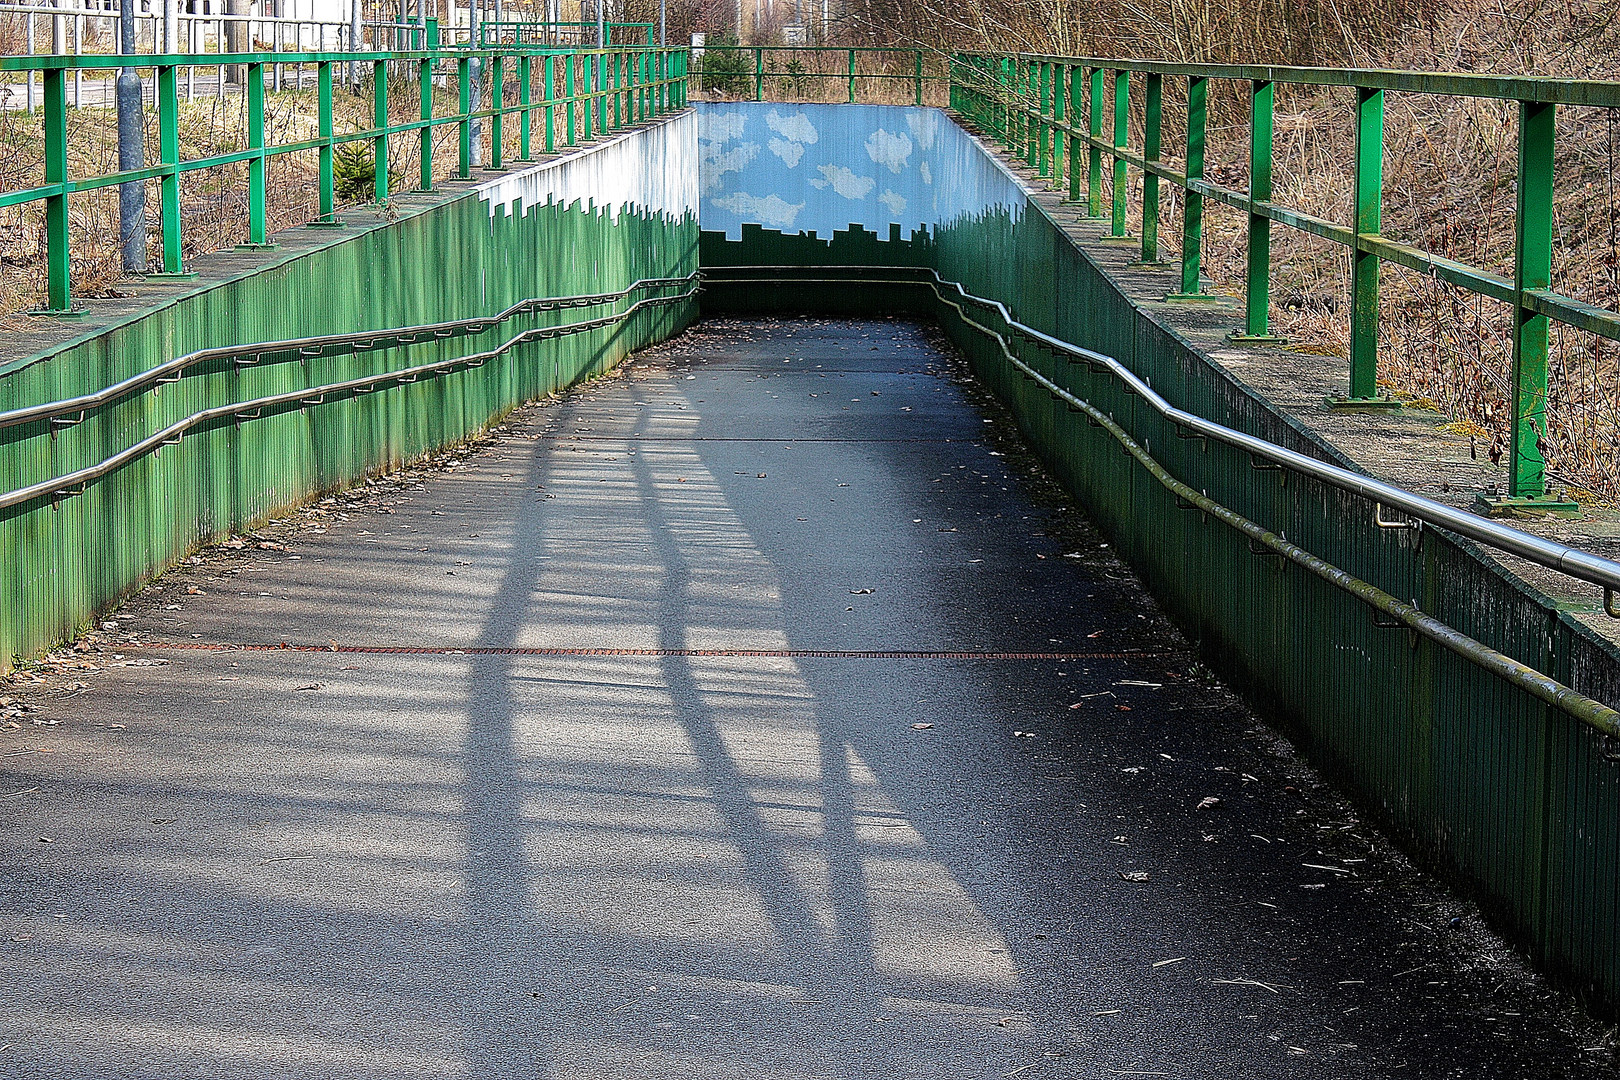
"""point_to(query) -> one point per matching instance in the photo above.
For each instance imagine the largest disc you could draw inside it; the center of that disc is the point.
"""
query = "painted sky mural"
(817, 169)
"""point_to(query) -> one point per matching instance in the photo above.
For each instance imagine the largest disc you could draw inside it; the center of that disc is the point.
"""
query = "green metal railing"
(1066, 116)
(72, 411)
(555, 33)
(736, 65)
(601, 90)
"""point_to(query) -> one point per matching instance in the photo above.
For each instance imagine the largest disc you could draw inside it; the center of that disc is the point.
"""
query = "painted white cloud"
(789, 152)
(772, 211)
(895, 201)
(889, 150)
(927, 173)
(794, 128)
(721, 127)
(844, 181)
(923, 126)
(713, 167)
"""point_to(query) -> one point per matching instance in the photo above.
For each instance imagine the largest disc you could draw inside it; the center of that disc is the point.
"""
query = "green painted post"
(1043, 105)
(379, 120)
(587, 86)
(1122, 129)
(568, 93)
(258, 224)
(58, 278)
(464, 125)
(547, 76)
(852, 76)
(1152, 127)
(497, 101)
(424, 77)
(1364, 265)
(1257, 301)
(1030, 125)
(525, 106)
(169, 155)
(1077, 96)
(919, 77)
(1192, 207)
(1532, 269)
(328, 187)
(600, 86)
(1060, 116)
(615, 65)
(1094, 111)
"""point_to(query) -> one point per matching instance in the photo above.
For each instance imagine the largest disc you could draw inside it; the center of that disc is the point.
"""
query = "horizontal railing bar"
(1593, 569)
(324, 345)
(1538, 88)
(1545, 688)
(141, 61)
(1560, 308)
(305, 398)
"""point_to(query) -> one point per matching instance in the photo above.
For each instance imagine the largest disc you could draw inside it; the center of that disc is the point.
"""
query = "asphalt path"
(759, 711)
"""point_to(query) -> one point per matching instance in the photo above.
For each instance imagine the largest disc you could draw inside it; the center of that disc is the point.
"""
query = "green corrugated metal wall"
(1515, 802)
(65, 563)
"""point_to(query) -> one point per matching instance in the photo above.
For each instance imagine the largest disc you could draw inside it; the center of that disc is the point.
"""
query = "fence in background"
(821, 73)
(582, 94)
(1069, 119)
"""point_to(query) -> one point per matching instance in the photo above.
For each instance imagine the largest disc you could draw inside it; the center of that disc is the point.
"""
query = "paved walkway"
(757, 713)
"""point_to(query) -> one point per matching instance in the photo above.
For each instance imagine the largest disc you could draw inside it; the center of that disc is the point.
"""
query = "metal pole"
(601, 26)
(662, 4)
(131, 149)
(171, 27)
(354, 43)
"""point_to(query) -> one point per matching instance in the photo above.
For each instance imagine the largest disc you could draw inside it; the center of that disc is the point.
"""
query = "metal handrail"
(1070, 116)
(1587, 710)
(317, 395)
(309, 347)
(1563, 558)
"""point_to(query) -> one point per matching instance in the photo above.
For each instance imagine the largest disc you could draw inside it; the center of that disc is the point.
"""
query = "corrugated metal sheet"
(1510, 799)
(461, 259)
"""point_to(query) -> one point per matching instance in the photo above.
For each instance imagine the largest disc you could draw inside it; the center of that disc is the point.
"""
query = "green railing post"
(1043, 99)
(759, 74)
(587, 88)
(1030, 117)
(1257, 299)
(497, 101)
(1192, 207)
(547, 77)
(568, 94)
(424, 77)
(464, 125)
(1122, 130)
(58, 275)
(379, 120)
(169, 154)
(852, 76)
(1532, 269)
(258, 223)
(326, 129)
(919, 77)
(1077, 93)
(525, 106)
(615, 64)
(1094, 119)
(1152, 127)
(1060, 116)
(599, 82)
(1364, 265)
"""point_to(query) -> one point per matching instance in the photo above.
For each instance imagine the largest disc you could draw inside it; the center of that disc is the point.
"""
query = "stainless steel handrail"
(1551, 554)
(311, 347)
(1587, 710)
(315, 395)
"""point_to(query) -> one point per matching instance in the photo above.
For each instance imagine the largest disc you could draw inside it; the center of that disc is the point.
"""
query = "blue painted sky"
(820, 168)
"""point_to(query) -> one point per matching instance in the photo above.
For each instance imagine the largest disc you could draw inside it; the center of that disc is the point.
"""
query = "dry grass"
(1450, 169)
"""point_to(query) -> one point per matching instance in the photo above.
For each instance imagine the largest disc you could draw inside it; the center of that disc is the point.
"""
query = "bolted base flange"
(1509, 506)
